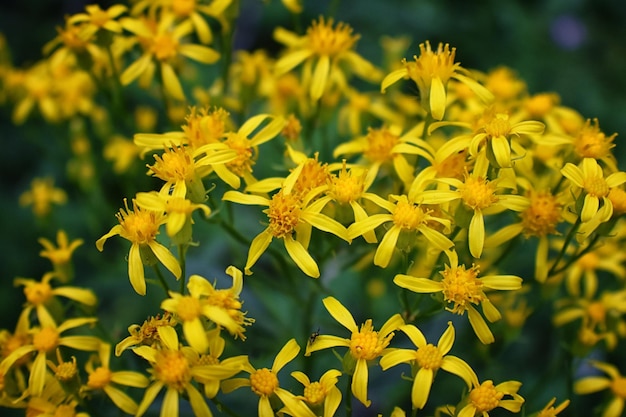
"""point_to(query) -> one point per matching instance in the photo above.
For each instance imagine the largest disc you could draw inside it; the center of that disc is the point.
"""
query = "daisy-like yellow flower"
(174, 368)
(549, 410)
(40, 293)
(96, 19)
(220, 306)
(47, 339)
(486, 397)
(427, 360)
(589, 177)
(478, 194)
(244, 144)
(141, 227)
(431, 71)
(60, 256)
(407, 217)
(145, 334)
(163, 44)
(286, 214)
(325, 51)
(121, 152)
(101, 377)
(264, 383)
(42, 195)
(322, 396)
(365, 344)
(69, 45)
(464, 289)
(613, 381)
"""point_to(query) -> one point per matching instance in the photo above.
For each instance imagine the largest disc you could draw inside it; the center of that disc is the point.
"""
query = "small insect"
(314, 336)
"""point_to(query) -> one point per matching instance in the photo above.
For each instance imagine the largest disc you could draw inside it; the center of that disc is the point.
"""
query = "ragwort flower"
(365, 344)
(42, 195)
(320, 395)
(487, 396)
(614, 381)
(60, 256)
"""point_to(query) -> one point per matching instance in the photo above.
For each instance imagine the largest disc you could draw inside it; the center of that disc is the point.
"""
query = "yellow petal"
(392, 78)
(437, 98)
(477, 234)
(421, 387)
(166, 258)
(340, 313)
(301, 257)
(257, 247)
(135, 270)
(286, 355)
(359, 382)
(419, 285)
(386, 247)
(199, 53)
(480, 326)
(171, 84)
(169, 408)
(320, 77)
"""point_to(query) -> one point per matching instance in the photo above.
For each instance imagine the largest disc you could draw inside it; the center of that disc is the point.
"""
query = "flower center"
(205, 127)
(66, 371)
(346, 187)
(618, 199)
(292, 128)
(540, 105)
(38, 293)
(324, 40)
(100, 377)
(380, 142)
(596, 312)
(183, 8)
(263, 382)
(498, 126)
(408, 216)
(207, 360)
(591, 142)
(461, 286)
(428, 357)
(176, 164)
(596, 186)
(98, 16)
(618, 386)
(140, 226)
(46, 339)
(313, 175)
(172, 368)
(314, 393)
(432, 64)
(243, 161)
(283, 213)
(589, 261)
(366, 343)
(189, 308)
(485, 397)
(164, 47)
(453, 166)
(478, 193)
(543, 214)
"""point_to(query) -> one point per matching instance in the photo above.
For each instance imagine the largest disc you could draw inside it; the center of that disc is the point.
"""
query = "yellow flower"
(60, 256)
(325, 51)
(550, 411)
(427, 360)
(146, 334)
(431, 71)
(220, 306)
(101, 377)
(322, 394)
(464, 289)
(287, 214)
(47, 339)
(121, 152)
(164, 44)
(141, 227)
(407, 217)
(591, 142)
(365, 344)
(39, 294)
(478, 194)
(590, 178)
(614, 381)
(73, 46)
(486, 397)
(97, 19)
(42, 195)
(264, 383)
(174, 369)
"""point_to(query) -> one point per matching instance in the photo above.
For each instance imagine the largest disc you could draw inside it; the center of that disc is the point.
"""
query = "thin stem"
(159, 274)
(182, 252)
(348, 396)
(568, 239)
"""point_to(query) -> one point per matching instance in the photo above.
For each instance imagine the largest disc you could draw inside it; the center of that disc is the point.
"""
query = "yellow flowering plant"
(396, 195)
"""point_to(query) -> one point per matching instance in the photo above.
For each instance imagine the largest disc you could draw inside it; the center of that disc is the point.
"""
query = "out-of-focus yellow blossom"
(47, 339)
(613, 381)
(141, 227)
(101, 377)
(549, 410)
(325, 51)
(591, 142)
(362, 106)
(364, 345)
(96, 19)
(426, 361)
(121, 152)
(589, 177)
(174, 370)
(322, 396)
(504, 84)
(39, 294)
(486, 397)
(145, 334)
(42, 195)
(60, 256)
(431, 71)
(69, 45)
(408, 218)
(264, 383)
(163, 44)
(464, 289)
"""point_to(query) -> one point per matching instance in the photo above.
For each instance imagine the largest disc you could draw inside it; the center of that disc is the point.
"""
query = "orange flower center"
(540, 105)
(284, 214)
(46, 339)
(596, 186)
(164, 47)
(618, 199)
(380, 142)
(292, 128)
(140, 226)
(478, 193)
(408, 216)
(243, 161)
(453, 166)
(66, 371)
(366, 343)
(485, 397)
(205, 127)
(100, 377)
(432, 64)
(313, 175)
(346, 187)
(324, 40)
(591, 142)
(498, 126)
(263, 382)
(589, 261)
(172, 368)
(461, 286)
(543, 214)
(176, 164)
(618, 386)
(38, 293)
(314, 393)
(429, 357)
(596, 312)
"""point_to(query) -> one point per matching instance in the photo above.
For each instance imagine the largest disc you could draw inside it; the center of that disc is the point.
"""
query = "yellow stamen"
(380, 142)
(324, 40)
(314, 393)
(543, 214)
(172, 368)
(263, 382)
(429, 357)
(461, 287)
(478, 193)
(284, 214)
(99, 378)
(485, 397)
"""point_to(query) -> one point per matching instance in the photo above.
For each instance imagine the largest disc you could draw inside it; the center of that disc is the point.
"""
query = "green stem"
(117, 85)
(568, 239)
(576, 257)
(182, 256)
(159, 274)
(348, 396)
(429, 120)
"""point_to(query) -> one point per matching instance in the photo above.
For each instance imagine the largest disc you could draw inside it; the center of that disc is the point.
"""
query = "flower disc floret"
(591, 142)
(138, 226)
(461, 286)
(365, 344)
(164, 47)
(38, 293)
(263, 382)
(46, 339)
(176, 164)
(346, 186)
(100, 378)
(329, 41)
(498, 126)
(408, 216)
(315, 393)
(596, 186)
(243, 162)
(429, 357)
(380, 142)
(485, 397)
(172, 368)
(478, 193)
(189, 308)
(618, 386)
(430, 64)
(542, 215)
(283, 214)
